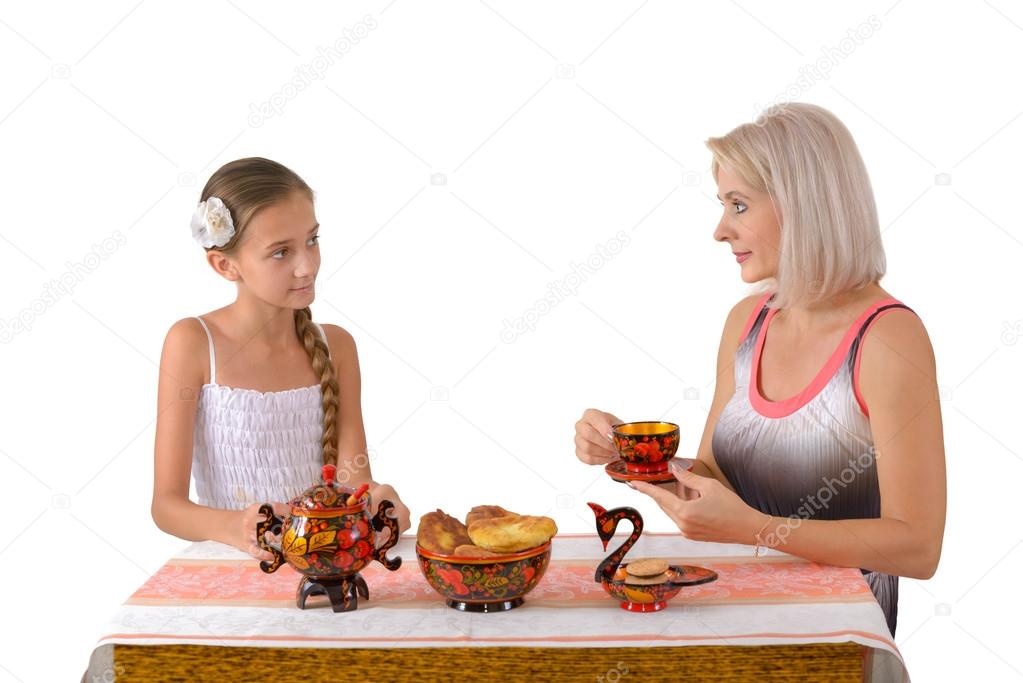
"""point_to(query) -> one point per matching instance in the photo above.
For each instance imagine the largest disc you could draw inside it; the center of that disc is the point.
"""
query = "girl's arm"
(353, 466)
(353, 458)
(177, 397)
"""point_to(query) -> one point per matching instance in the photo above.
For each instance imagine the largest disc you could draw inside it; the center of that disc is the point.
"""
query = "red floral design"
(343, 559)
(453, 577)
(345, 538)
(362, 549)
(649, 450)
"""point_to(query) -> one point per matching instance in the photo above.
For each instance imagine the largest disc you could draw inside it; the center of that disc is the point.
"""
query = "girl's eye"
(315, 239)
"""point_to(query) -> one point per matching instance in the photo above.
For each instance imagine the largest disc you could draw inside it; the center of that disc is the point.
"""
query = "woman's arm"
(899, 386)
(177, 396)
(898, 383)
(724, 387)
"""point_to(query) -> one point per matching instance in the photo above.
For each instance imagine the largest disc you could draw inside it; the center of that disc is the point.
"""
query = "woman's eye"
(739, 207)
(315, 239)
(279, 251)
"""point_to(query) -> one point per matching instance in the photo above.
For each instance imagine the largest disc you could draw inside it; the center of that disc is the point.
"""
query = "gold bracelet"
(760, 541)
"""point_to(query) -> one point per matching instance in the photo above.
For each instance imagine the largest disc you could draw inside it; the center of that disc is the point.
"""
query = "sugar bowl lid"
(329, 494)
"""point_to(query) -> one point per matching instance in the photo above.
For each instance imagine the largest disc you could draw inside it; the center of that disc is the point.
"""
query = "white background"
(553, 127)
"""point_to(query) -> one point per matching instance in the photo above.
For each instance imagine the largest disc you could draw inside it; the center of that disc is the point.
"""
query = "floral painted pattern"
(484, 582)
(644, 449)
(328, 546)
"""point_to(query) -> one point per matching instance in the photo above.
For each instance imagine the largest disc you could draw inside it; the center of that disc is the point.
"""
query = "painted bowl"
(646, 447)
(484, 584)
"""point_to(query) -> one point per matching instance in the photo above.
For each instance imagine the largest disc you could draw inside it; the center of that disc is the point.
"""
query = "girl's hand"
(594, 444)
(715, 513)
(242, 534)
(379, 492)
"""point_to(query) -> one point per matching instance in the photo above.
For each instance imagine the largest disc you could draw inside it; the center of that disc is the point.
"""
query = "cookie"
(646, 580)
(650, 566)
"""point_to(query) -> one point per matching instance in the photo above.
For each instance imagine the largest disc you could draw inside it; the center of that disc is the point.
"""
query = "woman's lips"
(741, 256)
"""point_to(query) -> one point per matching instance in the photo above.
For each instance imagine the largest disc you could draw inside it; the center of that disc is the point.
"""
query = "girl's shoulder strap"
(213, 357)
(323, 335)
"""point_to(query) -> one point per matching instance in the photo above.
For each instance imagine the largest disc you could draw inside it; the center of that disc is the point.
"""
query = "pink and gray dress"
(810, 456)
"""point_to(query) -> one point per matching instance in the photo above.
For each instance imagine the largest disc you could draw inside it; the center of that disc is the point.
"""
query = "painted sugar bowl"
(329, 536)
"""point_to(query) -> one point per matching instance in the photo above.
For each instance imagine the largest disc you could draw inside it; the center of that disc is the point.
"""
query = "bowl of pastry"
(489, 562)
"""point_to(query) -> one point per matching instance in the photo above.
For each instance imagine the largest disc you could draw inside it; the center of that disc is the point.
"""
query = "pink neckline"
(787, 406)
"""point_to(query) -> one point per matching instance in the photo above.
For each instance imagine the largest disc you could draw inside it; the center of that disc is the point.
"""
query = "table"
(210, 614)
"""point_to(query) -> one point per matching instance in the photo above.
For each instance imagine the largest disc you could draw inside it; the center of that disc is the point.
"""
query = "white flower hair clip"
(212, 225)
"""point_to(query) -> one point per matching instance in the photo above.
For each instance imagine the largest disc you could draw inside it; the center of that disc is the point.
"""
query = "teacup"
(646, 447)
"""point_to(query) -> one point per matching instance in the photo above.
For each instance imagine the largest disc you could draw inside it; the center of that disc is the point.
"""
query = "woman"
(823, 440)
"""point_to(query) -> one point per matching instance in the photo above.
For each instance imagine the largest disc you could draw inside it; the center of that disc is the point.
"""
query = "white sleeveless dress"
(255, 446)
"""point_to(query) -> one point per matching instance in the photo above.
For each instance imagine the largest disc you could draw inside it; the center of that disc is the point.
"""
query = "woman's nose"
(722, 231)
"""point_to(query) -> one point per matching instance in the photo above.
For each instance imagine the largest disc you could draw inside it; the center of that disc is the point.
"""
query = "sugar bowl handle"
(270, 523)
(381, 520)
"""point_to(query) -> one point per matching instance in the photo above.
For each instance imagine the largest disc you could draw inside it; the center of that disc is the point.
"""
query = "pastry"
(512, 533)
(481, 512)
(441, 533)
(473, 551)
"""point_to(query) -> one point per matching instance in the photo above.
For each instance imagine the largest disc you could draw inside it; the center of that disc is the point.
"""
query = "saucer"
(654, 597)
(617, 471)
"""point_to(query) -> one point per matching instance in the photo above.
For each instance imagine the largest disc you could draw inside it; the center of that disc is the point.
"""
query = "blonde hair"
(247, 186)
(805, 159)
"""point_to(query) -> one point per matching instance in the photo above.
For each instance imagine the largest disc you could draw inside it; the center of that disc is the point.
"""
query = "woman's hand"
(242, 534)
(594, 444)
(379, 492)
(712, 512)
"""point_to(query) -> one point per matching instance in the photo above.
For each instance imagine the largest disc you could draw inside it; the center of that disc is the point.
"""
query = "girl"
(822, 440)
(255, 397)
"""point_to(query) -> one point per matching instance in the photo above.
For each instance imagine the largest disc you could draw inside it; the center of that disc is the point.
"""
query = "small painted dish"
(642, 594)
(619, 471)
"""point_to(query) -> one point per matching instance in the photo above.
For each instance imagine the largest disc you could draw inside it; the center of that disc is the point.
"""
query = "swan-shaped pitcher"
(612, 575)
